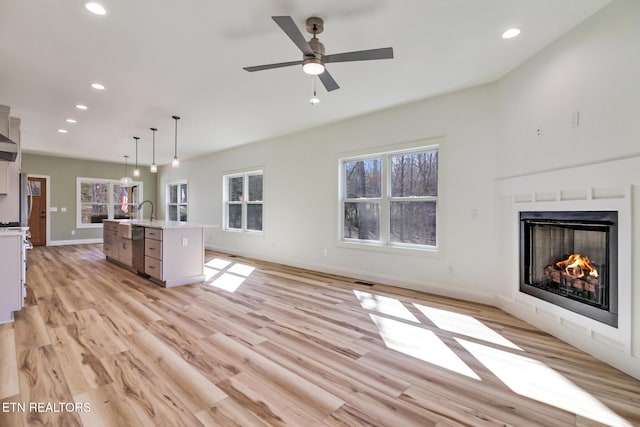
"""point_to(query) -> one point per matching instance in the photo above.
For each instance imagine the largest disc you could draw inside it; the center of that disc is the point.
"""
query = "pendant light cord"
(175, 149)
(154, 143)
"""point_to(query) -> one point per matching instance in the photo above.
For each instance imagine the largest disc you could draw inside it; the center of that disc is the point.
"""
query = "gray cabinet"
(153, 252)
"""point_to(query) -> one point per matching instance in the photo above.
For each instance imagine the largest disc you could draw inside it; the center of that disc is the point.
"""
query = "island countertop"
(162, 224)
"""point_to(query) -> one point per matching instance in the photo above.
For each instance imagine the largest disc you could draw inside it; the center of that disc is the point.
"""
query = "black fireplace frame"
(596, 218)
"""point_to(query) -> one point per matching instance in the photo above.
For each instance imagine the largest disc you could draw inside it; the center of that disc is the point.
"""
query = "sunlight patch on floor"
(464, 325)
(228, 282)
(535, 380)
(241, 269)
(420, 343)
(226, 275)
(209, 273)
(218, 263)
(384, 305)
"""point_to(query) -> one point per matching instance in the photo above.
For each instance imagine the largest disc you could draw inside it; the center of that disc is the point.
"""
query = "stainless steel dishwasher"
(137, 236)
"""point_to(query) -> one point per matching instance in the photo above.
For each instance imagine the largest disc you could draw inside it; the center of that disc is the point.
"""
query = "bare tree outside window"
(405, 185)
(363, 187)
(244, 201)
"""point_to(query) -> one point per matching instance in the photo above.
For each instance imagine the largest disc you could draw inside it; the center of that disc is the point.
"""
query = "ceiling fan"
(313, 59)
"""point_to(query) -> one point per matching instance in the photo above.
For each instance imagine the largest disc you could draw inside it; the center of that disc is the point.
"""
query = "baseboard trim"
(74, 242)
(432, 288)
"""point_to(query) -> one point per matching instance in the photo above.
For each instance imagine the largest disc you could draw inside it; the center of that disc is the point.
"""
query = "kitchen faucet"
(151, 203)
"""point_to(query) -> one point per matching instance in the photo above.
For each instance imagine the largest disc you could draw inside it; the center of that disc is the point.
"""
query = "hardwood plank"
(107, 408)
(151, 401)
(189, 385)
(288, 347)
(313, 398)
(80, 365)
(9, 383)
(42, 383)
(10, 412)
(229, 413)
(30, 329)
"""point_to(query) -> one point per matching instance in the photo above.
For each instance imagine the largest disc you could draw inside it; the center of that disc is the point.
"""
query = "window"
(243, 213)
(177, 201)
(100, 199)
(390, 199)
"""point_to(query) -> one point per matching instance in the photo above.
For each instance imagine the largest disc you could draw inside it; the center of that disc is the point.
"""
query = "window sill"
(431, 251)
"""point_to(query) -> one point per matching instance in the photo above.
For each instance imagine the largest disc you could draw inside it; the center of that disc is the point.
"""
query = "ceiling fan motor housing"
(317, 47)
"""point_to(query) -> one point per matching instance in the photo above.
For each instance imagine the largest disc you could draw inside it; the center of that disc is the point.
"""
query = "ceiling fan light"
(511, 33)
(313, 66)
(95, 7)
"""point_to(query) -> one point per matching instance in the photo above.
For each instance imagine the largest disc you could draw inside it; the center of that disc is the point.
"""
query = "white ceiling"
(159, 58)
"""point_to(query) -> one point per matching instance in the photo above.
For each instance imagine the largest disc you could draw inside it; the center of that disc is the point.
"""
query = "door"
(38, 218)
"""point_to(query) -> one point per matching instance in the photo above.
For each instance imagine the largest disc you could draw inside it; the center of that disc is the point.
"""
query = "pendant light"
(175, 163)
(154, 167)
(136, 171)
(126, 181)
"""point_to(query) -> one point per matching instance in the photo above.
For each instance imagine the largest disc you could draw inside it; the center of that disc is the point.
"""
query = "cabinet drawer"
(153, 248)
(108, 237)
(153, 267)
(153, 233)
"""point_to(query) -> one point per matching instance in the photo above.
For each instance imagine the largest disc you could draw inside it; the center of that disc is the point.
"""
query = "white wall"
(490, 132)
(594, 69)
(301, 191)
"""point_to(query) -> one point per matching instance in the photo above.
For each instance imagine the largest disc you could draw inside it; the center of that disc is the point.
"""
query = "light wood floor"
(263, 344)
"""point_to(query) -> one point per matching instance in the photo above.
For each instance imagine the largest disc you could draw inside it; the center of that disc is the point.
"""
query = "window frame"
(243, 203)
(110, 205)
(385, 200)
(178, 183)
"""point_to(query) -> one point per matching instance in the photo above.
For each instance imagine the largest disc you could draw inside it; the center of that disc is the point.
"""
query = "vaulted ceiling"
(158, 58)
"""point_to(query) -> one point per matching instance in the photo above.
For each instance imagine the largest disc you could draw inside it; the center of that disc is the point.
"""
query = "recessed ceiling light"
(71, 121)
(81, 107)
(97, 86)
(511, 33)
(95, 7)
(62, 130)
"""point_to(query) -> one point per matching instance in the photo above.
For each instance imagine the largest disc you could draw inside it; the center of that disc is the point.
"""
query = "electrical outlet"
(185, 241)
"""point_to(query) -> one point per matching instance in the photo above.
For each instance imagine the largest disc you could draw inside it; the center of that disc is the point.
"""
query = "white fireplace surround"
(556, 191)
(618, 337)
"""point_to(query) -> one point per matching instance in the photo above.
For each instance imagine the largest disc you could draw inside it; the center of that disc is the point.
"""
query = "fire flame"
(577, 265)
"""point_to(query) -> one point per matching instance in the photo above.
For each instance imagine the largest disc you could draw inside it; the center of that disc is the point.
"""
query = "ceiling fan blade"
(328, 81)
(360, 55)
(270, 66)
(291, 30)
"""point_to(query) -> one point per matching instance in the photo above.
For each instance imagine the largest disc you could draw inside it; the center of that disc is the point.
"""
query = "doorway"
(38, 218)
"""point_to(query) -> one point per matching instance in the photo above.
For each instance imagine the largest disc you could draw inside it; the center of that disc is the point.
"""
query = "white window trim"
(385, 243)
(168, 198)
(80, 180)
(244, 202)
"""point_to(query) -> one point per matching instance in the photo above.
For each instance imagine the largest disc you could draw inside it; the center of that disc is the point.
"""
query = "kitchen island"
(169, 253)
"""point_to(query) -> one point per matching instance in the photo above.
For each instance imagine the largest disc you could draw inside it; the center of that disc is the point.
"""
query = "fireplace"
(570, 259)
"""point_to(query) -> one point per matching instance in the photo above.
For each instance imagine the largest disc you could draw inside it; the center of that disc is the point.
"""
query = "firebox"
(570, 259)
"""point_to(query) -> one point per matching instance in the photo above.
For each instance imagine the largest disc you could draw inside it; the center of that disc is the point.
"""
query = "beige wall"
(62, 186)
